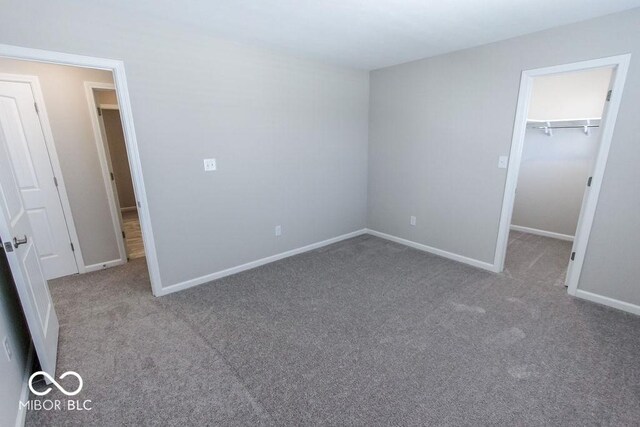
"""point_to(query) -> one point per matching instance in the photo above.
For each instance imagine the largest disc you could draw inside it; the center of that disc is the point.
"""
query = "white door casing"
(119, 75)
(25, 266)
(32, 165)
(620, 64)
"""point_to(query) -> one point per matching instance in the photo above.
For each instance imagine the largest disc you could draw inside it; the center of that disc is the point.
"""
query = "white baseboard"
(253, 264)
(24, 393)
(631, 308)
(128, 209)
(611, 302)
(103, 265)
(542, 233)
(450, 255)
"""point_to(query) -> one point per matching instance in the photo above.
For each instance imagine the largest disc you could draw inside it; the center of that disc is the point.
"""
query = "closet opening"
(562, 135)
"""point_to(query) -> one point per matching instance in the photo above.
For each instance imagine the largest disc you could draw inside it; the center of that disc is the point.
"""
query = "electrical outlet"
(278, 230)
(210, 165)
(7, 348)
(412, 220)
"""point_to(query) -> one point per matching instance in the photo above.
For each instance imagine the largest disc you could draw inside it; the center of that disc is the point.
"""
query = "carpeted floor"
(362, 332)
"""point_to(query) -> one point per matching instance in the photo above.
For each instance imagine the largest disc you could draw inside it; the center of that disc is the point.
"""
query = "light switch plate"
(210, 165)
(412, 220)
(503, 161)
(278, 230)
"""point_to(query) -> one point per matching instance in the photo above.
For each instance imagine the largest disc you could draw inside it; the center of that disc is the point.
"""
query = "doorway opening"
(70, 163)
(109, 135)
(562, 134)
(56, 212)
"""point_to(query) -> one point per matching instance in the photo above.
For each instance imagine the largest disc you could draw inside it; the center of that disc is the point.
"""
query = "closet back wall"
(552, 179)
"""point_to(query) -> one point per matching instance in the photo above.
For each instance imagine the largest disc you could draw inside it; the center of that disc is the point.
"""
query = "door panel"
(42, 228)
(11, 203)
(37, 285)
(24, 262)
(27, 150)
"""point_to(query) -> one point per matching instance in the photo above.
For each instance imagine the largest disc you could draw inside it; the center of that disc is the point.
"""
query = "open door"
(35, 177)
(17, 242)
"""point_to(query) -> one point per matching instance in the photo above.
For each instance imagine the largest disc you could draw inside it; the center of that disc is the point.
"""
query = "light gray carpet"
(363, 332)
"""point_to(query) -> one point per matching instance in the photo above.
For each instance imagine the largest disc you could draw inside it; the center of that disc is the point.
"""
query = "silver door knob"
(17, 242)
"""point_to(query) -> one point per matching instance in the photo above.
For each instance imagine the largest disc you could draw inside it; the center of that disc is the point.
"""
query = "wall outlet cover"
(210, 165)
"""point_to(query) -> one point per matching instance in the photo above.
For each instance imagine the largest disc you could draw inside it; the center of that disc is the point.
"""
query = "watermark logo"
(51, 379)
(56, 404)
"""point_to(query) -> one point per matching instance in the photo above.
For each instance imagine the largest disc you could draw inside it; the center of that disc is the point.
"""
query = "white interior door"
(29, 157)
(22, 254)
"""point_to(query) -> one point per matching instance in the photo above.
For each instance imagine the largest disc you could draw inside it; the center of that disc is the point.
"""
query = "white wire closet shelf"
(548, 126)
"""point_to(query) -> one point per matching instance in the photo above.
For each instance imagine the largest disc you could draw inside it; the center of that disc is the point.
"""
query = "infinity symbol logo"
(47, 376)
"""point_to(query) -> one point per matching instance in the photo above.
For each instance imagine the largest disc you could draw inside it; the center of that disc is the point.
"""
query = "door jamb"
(103, 156)
(49, 140)
(126, 114)
(620, 64)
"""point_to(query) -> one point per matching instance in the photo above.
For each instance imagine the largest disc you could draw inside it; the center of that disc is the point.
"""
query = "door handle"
(17, 242)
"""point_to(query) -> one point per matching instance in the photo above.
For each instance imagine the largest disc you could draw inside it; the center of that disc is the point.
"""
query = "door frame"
(620, 65)
(50, 144)
(105, 161)
(122, 92)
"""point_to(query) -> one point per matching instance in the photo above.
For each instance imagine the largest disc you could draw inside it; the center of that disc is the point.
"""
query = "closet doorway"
(562, 134)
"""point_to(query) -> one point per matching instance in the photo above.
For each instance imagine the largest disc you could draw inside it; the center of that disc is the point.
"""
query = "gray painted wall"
(290, 135)
(552, 179)
(437, 127)
(68, 110)
(105, 96)
(13, 327)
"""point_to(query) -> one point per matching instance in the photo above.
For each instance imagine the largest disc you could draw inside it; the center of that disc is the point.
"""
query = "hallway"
(133, 234)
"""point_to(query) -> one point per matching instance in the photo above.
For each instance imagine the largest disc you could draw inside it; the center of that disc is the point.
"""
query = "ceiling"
(371, 34)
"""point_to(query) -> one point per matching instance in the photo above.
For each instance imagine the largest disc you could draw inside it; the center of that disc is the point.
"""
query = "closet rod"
(564, 127)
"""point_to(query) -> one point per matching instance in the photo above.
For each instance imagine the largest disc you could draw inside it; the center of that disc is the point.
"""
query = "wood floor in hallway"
(133, 233)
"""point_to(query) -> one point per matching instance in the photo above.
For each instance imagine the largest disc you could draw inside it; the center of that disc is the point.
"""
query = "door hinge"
(573, 256)
(8, 246)
(112, 178)
(55, 181)
(589, 181)
(99, 111)
(35, 105)
(124, 236)
(609, 95)
(72, 248)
